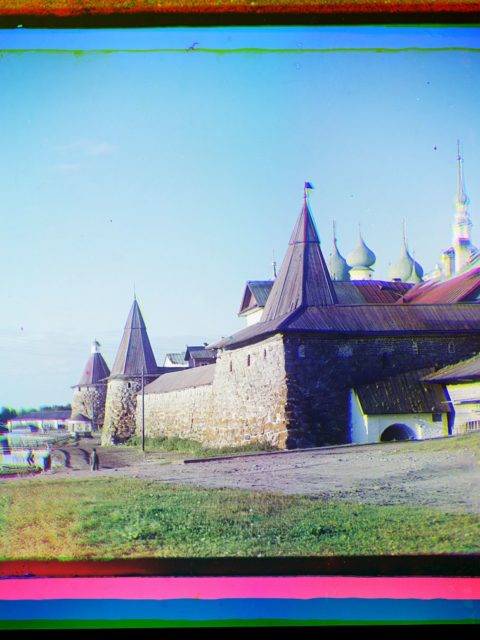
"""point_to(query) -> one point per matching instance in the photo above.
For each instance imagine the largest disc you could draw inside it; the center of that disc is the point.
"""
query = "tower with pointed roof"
(337, 265)
(361, 260)
(303, 280)
(134, 358)
(459, 255)
(91, 391)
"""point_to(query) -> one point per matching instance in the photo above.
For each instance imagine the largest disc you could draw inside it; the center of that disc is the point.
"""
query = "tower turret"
(90, 393)
(462, 224)
(134, 359)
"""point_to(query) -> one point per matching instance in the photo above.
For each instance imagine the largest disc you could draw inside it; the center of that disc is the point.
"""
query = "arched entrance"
(397, 432)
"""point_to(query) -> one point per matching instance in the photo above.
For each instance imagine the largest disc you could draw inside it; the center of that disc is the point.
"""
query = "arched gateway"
(397, 432)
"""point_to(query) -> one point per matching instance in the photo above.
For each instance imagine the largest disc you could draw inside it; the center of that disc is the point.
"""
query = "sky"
(129, 160)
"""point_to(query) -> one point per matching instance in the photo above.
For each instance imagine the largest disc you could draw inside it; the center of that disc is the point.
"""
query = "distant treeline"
(7, 413)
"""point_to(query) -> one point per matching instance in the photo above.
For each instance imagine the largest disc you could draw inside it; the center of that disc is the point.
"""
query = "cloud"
(88, 148)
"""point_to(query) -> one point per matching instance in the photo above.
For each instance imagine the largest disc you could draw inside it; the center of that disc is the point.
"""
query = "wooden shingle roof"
(135, 351)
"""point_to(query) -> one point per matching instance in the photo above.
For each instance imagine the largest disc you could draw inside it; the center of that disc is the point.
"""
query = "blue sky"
(182, 171)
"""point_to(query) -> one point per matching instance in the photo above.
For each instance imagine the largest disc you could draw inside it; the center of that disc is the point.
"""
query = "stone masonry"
(90, 401)
(292, 391)
(120, 409)
(245, 403)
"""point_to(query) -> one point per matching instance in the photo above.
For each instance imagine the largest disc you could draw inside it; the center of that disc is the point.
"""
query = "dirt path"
(401, 473)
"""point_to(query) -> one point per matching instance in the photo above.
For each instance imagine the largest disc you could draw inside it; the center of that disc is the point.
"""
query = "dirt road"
(443, 475)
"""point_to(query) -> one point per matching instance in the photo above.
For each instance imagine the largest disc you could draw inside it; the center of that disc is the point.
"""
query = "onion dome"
(337, 265)
(416, 275)
(361, 256)
(402, 269)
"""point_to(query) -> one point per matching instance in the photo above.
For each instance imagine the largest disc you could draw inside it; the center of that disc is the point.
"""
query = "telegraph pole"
(143, 410)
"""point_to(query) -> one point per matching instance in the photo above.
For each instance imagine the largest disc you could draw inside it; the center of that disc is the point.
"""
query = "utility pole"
(143, 410)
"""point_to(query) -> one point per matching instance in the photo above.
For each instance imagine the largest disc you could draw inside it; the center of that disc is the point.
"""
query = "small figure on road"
(94, 460)
(30, 459)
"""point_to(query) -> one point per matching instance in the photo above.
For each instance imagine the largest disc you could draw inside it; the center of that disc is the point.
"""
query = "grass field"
(195, 449)
(111, 518)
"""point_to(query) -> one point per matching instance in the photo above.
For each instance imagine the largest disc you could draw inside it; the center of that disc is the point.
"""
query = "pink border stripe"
(208, 588)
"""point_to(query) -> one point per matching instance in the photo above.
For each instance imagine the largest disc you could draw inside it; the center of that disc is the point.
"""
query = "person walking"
(94, 460)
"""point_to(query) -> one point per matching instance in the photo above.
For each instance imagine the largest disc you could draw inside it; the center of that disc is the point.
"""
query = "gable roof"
(135, 351)
(304, 279)
(461, 288)
(256, 294)
(176, 358)
(95, 370)
(367, 319)
(404, 393)
(185, 379)
(348, 292)
(464, 371)
(200, 353)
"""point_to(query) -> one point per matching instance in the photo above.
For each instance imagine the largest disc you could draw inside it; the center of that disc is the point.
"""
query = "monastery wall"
(245, 403)
(90, 401)
(120, 408)
(318, 399)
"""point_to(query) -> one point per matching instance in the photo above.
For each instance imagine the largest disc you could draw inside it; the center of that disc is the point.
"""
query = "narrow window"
(301, 351)
(231, 366)
(129, 385)
(248, 360)
(451, 347)
(264, 354)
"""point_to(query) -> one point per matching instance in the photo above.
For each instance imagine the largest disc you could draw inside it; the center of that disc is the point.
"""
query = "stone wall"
(292, 391)
(90, 401)
(318, 406)
(120, 410)
(245, 403)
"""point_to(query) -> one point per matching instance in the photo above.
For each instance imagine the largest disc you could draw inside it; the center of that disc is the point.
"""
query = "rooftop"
(404, 393)
(464, 371)
(184, 379)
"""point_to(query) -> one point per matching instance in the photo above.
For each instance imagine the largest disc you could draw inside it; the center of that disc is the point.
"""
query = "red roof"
(135, 351)
(304, 279)
(95, 370)
(460, 288)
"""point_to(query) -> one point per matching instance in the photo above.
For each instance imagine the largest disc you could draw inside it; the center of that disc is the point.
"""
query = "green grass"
(13, 470)
(195, 449)
(469, 442)
(127, 518)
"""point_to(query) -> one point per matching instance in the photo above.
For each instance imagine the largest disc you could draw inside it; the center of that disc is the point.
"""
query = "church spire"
(461, 198)
(303, 280)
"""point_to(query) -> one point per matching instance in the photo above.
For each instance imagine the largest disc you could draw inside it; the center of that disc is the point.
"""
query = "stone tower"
(90, 393)
(134, 357)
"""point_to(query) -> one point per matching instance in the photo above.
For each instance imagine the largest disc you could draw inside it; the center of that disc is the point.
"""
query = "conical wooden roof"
(304, 280)
(135, 352)
(95, 370)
